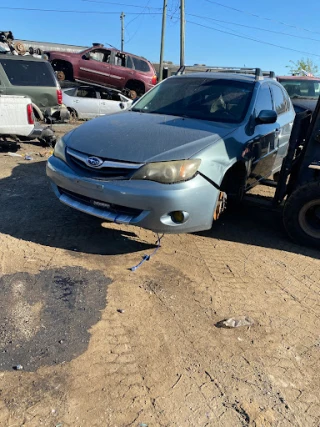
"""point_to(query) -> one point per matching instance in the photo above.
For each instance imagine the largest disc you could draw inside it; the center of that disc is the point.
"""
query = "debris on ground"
(120, 310)
(26, 157)
(18, 368)
(235, 322)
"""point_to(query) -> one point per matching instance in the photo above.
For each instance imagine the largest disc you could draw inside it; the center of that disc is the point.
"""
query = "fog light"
(178, 217)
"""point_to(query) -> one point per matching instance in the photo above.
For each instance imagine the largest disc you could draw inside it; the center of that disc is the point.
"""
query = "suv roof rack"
(257, 72)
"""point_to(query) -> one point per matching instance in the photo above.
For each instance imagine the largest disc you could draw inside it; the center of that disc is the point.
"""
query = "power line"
(77, 11)
(122, 4)
(252, 39)
(136, 17)
(262, 17)
(251, 27)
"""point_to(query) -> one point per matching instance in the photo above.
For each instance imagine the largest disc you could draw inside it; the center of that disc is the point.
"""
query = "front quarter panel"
(223, 154)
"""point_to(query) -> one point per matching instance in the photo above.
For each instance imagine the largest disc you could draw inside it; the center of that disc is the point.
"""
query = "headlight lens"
(168, 172)
(60, 149)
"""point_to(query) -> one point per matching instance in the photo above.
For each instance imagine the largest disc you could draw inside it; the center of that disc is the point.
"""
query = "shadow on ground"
(30, 211)
(256, 223)
(45, 318)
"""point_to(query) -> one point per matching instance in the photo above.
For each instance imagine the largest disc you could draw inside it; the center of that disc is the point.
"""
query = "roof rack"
(257, 72)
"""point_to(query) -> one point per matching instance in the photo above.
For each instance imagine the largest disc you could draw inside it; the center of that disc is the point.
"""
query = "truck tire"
(301, 214)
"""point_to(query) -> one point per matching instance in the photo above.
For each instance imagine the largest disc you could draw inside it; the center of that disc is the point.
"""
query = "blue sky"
(203, 45)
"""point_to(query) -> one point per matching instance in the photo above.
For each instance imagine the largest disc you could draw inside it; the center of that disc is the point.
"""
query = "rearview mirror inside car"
(266, 117)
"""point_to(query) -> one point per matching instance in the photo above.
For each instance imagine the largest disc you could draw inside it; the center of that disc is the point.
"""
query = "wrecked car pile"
(8, 45)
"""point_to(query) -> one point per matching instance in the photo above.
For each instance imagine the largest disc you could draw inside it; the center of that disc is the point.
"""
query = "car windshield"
(302, 88)
(213, 99)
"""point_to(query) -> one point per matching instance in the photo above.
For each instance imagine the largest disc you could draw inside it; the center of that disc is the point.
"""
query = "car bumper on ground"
(43, 133)
(59, 113)
(145, 204)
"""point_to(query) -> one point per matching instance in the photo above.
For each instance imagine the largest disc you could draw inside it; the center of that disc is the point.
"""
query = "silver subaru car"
(180, 155)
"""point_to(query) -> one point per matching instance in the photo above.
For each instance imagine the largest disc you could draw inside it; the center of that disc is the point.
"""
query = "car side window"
(100, 55)
(86, 93)
(120, 59)
(140, 64)
(129, 62)
(288, 101)
(264, 100)
(279, 99)
(69, 92)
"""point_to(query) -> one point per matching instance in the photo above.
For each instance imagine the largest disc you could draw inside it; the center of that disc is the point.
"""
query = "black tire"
(73, 115)
(137, 86)
(63, 70)
(301, 215)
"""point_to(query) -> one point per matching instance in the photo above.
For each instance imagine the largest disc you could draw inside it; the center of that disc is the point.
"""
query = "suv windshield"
(302, 88)
(210, 99)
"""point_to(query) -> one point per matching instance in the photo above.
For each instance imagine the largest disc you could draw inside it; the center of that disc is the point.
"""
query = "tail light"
(30, 114)
(154, 80)
(59, 96)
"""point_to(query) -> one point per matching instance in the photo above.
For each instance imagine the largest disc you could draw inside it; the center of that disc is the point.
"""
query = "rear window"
(140, 65)
(28, 73)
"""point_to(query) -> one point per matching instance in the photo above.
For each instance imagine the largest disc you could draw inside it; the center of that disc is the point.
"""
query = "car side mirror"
(121, 105)
(266, 117)
(86, 56)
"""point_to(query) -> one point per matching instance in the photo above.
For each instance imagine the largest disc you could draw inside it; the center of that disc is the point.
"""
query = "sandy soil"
(103, 346)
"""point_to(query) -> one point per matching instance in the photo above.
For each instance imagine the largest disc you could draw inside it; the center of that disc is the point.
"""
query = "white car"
(87, 102)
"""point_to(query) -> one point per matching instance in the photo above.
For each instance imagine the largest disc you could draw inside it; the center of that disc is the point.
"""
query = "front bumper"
(146, 204)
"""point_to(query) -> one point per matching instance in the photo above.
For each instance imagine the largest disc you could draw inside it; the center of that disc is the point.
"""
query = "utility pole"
(182, 32)
(163, 30)
(122, 30)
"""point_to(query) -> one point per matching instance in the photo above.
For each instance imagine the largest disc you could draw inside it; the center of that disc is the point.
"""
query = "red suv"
(106, 67)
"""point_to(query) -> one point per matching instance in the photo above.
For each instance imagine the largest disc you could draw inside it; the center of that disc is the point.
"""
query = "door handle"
(76, 101)
(1, 91)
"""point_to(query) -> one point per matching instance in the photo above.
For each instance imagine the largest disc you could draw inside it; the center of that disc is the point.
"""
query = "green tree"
(303, 65)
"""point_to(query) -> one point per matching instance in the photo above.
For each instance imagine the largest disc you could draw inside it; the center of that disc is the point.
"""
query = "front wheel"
(301, 215)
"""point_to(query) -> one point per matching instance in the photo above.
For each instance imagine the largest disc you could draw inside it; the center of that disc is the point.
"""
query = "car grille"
(109, 170)
(110, 207)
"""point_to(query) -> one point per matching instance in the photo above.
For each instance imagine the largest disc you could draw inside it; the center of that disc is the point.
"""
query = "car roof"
(298, 78)
(10, 57)
(226, 76)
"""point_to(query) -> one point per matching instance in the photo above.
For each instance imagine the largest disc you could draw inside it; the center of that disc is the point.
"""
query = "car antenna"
(108, 44)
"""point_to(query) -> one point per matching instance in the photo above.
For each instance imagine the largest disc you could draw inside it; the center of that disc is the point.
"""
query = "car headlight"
(60, 149)
(168, 172)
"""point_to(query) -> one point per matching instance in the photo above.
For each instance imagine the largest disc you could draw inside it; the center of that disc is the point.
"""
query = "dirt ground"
(101, 345)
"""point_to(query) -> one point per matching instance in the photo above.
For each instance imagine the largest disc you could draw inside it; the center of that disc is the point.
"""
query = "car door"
(86, 103)
(110, 104)
(263, 144)
(94, 66)
(121, 69)
(285, 111)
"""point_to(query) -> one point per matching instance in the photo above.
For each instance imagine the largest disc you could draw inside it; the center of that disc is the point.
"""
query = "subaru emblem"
(94, 162)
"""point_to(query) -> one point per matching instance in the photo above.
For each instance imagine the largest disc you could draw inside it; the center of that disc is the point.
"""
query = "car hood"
(141, 137)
